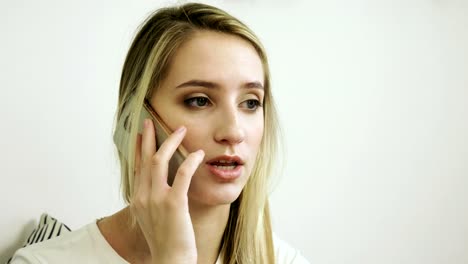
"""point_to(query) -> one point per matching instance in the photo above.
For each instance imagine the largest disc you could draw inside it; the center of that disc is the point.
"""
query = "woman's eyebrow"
(257, 85)
(207, 84)
(198, 83)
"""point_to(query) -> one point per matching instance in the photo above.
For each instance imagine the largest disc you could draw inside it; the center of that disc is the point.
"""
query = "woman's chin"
(221, 195)
(208, 189)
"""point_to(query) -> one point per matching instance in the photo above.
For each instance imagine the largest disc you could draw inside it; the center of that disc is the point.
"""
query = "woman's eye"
(252, 104)
(197, 101)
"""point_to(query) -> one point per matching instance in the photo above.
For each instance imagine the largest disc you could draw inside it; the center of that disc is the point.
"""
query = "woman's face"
(214, 88)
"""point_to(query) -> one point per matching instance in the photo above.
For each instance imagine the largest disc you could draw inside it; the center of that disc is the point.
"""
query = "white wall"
(373, 97)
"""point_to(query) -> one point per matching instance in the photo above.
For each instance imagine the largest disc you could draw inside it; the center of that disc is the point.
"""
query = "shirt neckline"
(96, 234)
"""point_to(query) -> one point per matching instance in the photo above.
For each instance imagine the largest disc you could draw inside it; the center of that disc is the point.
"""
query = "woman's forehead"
(215, 57)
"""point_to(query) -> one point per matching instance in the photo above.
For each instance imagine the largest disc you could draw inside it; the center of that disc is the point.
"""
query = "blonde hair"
(248, 235)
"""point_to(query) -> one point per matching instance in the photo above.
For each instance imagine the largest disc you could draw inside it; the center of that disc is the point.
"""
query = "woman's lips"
(225, 173)
(226, 167)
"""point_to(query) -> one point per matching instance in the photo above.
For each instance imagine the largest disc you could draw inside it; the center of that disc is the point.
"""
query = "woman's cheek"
(194, 139)
(257, 133)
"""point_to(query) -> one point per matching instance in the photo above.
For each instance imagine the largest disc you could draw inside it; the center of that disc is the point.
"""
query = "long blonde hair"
(248, 235)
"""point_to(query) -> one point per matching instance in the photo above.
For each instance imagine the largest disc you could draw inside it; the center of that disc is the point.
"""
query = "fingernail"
(146, 123)
(180, 129)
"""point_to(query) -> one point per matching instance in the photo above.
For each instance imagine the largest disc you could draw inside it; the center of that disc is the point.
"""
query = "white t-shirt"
(88, 245)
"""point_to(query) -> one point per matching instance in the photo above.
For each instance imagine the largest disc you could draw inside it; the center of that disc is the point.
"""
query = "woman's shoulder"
(85, 245)
(285, 253)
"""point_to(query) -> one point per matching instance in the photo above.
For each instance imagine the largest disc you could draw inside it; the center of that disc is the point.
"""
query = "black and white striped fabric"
(47, 228)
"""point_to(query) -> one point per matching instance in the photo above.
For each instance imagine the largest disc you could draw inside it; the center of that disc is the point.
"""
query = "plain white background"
(373, 97)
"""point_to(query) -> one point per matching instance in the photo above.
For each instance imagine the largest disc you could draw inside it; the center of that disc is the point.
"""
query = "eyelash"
(190, 102)
(256, 102)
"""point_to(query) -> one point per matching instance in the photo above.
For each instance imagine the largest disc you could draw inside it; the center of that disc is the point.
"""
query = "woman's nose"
(229, 129)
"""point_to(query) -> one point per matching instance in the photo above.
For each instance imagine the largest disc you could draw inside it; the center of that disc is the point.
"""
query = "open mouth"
(224, 165)
(226, 168)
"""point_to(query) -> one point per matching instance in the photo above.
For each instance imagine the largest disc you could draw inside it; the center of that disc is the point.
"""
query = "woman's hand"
(161, 210)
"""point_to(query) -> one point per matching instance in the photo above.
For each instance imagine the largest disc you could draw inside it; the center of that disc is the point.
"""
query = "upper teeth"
(222, 161)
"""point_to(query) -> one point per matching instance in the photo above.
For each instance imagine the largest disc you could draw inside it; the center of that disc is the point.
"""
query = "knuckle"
(183, 171)
(157, 159)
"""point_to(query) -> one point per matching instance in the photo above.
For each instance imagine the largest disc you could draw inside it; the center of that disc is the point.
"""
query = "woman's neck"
(208, 223)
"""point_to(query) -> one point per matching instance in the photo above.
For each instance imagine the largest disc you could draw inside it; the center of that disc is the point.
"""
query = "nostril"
(229, 133)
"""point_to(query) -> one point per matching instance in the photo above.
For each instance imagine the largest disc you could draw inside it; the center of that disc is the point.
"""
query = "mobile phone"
(122, 134)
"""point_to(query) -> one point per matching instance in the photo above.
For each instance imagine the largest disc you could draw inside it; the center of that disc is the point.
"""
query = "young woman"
(206, 75)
